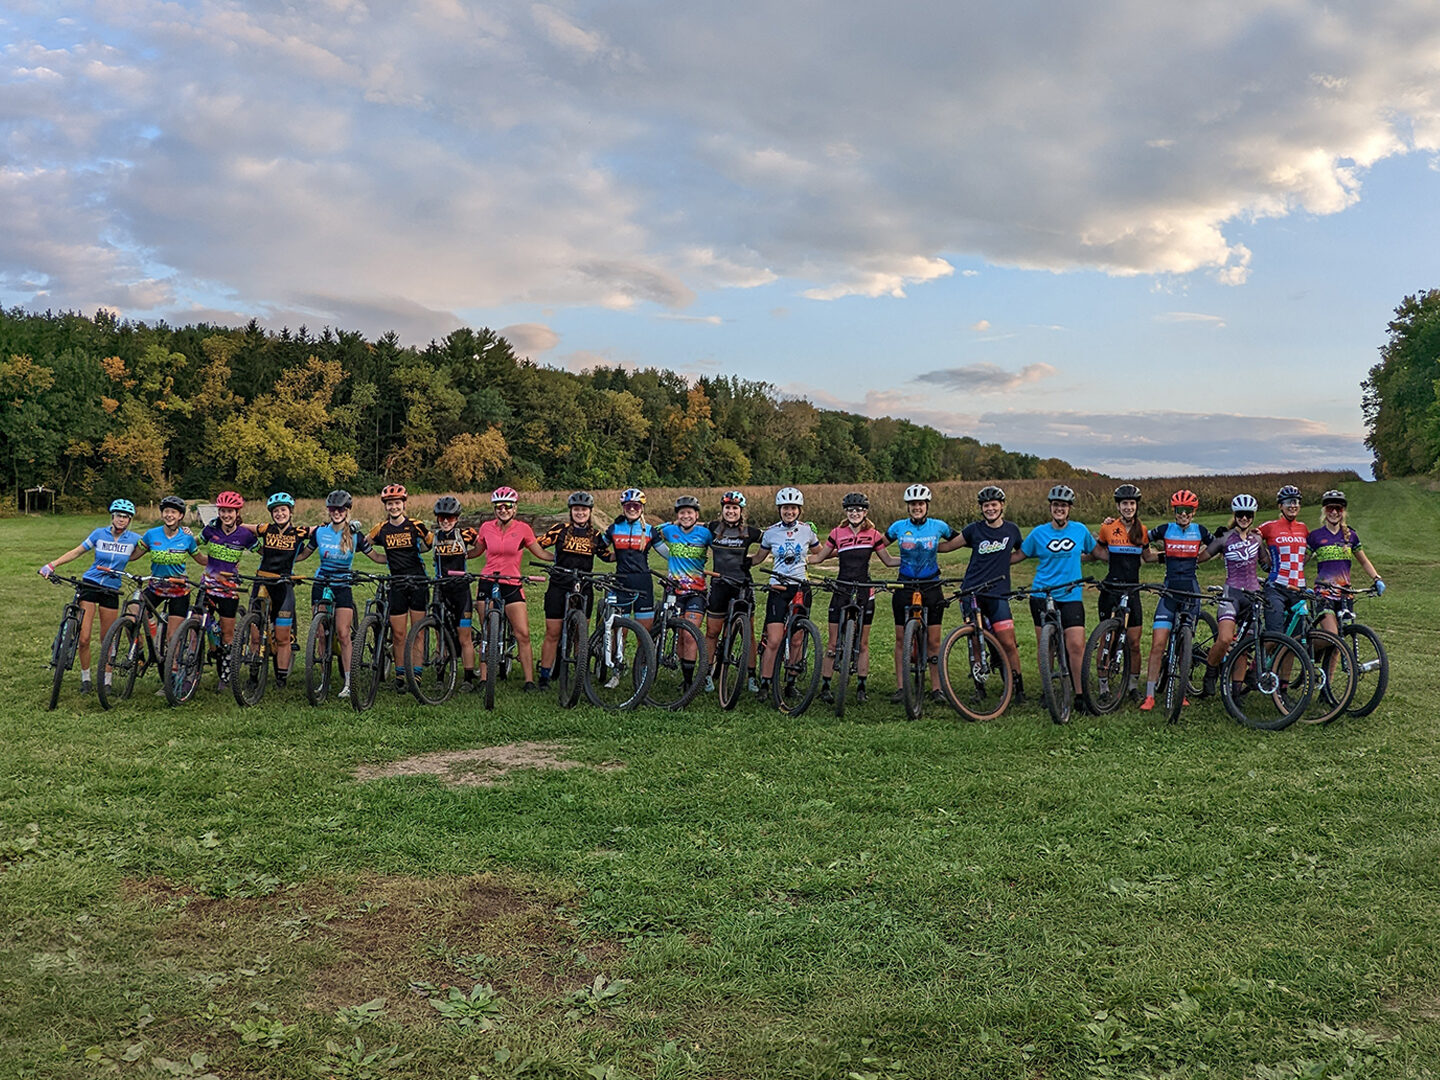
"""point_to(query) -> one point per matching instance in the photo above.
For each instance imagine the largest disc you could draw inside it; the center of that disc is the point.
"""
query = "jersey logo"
(1060, 543)
(990, 547)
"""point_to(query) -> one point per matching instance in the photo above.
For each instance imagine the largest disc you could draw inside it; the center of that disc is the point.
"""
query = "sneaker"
(400, 685)
(344, 694)
(1147, 704)
(752, 685)
(1207, 689)
(466, 687)
(1018, 697)
(860, 695)
(160, 692)
(938, 697)
(827, 695)
(223, 685)
(613, 683)
(86, 687)
(897, 698)
(1078, 706)
(280, 681)
(544, 683)
(790, 690)
(531, 688)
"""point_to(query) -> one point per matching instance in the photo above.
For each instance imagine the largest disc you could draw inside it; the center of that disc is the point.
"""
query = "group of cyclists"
(912, 545)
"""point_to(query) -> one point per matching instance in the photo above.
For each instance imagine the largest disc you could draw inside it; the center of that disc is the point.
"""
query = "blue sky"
(1144, 239)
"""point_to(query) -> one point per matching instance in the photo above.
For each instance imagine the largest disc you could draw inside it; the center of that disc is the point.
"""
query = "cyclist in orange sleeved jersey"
(1125, 538)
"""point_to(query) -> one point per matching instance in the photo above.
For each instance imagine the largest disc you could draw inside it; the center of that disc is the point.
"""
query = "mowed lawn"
(211, 890)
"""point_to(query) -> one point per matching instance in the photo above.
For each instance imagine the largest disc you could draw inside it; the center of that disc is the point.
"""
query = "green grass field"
(210, 890)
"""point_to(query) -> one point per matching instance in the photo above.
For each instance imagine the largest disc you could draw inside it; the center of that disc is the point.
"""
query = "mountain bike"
(845, 660)
(1177, 668)
(67, 638)
(322, 643)
(193, 647)
(1334, 663)
(1372, 666)
(673, 687)
(915, 645)
(574, 644)
(620, 661)
(975, 672)
(1266, 677)
(252, 651)
(1053, 659)
(372, 657)
(1108, 664)
(433, 644)
(135, 641)
(736, 648)
(795, 674)
(498, 650)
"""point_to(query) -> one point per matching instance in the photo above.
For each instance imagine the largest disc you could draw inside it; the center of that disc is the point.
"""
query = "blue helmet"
(280, 498)
(122, 506)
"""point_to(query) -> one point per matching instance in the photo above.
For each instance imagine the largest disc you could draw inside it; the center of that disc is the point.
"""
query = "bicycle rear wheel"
(249, 660)
(796, 676)
(673, 687)
(844, 656)
(1054, 686)
(912, 652)
(1266, 684)
(1372, 668)
(975, 673)
(319, 657)
(737, 645)
(1334, 666)
(431, 643)
(368, 660)
(184, 661)
(1177, 675)
(619, 665)
(494, 623)
(119, 660)
(1202, 640)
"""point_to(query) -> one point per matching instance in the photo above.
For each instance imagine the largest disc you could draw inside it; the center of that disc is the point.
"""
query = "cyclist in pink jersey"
(503, 541)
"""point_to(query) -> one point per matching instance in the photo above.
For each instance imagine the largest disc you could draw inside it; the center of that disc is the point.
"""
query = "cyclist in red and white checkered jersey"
(1288, 541)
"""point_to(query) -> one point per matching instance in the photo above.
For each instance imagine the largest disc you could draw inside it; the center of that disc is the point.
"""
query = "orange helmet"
(1185, 498)
(393, 491)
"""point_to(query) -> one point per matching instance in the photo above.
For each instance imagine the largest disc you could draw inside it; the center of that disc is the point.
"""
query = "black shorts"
(508, 594)
(282, 600)
(459, 606)
(932, 596)
(777, 604)
(844, 595)
(408, 595)
(721, 593)
(176, 607)
(1072, 612)
(994, 611)
(635, 597)
(227, 607)
(343, 596)
(98, 594)
(1110, 600)
(556, 597)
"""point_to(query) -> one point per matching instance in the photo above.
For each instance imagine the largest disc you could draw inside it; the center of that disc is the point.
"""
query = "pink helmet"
(230, 500)
(505, 495)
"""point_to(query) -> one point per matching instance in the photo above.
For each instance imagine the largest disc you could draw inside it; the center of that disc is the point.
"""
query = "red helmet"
(230, 500)
(393, 491)
(1185, 497)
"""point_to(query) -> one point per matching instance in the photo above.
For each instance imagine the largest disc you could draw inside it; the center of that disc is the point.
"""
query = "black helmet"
(447, 506)
(1127, 491)
(337, 499)
(1062, 493)
(581, 498)
(687, 500)
(172, 502)
(855, 498)
(1286, 493)
(1332, 497)
(990, 493)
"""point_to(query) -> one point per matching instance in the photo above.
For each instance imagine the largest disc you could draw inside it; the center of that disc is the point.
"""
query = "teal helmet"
(280, 498)
(122, 506)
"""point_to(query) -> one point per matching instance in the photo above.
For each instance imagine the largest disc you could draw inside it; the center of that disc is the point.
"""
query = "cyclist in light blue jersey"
(921, 540)
(338, 541)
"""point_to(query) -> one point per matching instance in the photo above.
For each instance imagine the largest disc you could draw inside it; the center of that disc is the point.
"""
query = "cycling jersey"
(337, 548)
(575, 546)
(789, 545)
(853, 547)
(1125, 554)
(167, 559)
(111, 554)
(730, 548)
(1059, 552)
(1183, 545)
(1334, 550)
(990, 549)
(224, 550)
(403, 543)
(503, 548)
(279, 547)
(686, 561)
(452, 548)
(918, 558)
(1288, 541)
(632, 541)
(1242, 558)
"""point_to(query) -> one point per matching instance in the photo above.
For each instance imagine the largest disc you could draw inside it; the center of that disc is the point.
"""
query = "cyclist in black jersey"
(403, 540)
(453, 547)
(577, 543)
(281, 545)
(732, 538)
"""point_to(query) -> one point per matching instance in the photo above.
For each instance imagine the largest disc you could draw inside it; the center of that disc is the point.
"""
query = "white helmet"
(1244, 504)
(789, 496)
(917, 493)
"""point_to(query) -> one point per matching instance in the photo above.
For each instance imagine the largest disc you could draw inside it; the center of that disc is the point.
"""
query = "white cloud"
(1191, 317)
(981, 326)
(530, 338)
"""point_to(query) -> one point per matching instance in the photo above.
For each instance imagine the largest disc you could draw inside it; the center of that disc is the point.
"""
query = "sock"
(825, 683)
(1212, 670)
(687, 670)
(1149, 689)
(469, 674)
(860, 682)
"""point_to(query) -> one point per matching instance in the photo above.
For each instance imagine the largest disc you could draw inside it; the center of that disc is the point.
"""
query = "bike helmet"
(505, 495)
(990, 494)
(634, 495)
(393, 491)
(733, 498)
(689, 501)
(1127, 491)
(789, 496)
(122, 506)
(1286, 493)
(1062, 493)
(173, 502)
(1333, 496)
(447, 506)
(1244, 504)
(855, 499)
(280, 498)
(1185, 499)
(917, 493)
(581, 498)
(230, 500)
(339, 499)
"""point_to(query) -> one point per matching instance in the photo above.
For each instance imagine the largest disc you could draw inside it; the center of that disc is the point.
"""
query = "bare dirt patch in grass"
(479, 768)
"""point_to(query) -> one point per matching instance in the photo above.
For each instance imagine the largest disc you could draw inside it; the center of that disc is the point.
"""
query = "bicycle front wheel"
(737, 645)
(796, 676)
(433, 652)
(120, 653)
(1106, 668)
(677, 680)
(619, 665)
(1053, 680)
(1265, 683)
(845, 655)
(975, 673)
(319, 657)
(1334, 666)
(367, 661)
(1202, 640)
(912, 651)
(1177, 677)
(494, 621)
(184, 661)
(62, 652)
(573, 644)
(1372, 668)
(249, 662)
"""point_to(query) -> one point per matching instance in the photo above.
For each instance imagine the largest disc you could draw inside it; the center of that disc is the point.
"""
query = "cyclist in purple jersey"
(224, 540)
(853, 541)
(991, 541)
(1246, 554)
(1335, 545)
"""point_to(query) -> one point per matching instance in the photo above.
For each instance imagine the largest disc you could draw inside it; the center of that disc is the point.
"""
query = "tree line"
(1401, 398)
(99, 406)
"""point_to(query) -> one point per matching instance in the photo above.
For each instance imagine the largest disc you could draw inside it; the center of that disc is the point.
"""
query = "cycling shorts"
(459, 604)
(176, 607)
(994, 610)
(408, 595)
(932, 596)
(689, 602)
(777, 603)
(343, 596)
(508, 594)
(1110, 601)
(1072, 612)
(1168, 609)
(845, 595)
(1235, 605)
(635, 596)
(556, 596)
(721, 593)
(97, 594)
(282, 600)
(223, 604)
(1277, 606)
